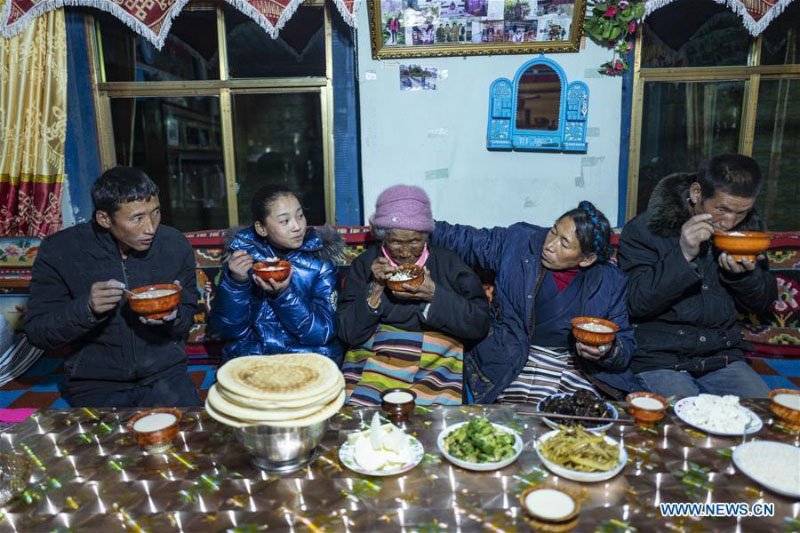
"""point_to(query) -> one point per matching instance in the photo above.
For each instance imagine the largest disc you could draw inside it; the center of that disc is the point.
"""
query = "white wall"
(437, 140)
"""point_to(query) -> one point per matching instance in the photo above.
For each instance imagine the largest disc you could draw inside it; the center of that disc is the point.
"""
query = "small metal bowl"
(281, 450)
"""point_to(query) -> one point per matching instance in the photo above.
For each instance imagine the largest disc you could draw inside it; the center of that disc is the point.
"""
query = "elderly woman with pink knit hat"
(412, 338)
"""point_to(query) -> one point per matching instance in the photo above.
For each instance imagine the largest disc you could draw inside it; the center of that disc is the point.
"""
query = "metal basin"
(281, 449)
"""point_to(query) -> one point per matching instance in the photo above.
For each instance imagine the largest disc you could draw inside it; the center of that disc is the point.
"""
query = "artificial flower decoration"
(613, 24)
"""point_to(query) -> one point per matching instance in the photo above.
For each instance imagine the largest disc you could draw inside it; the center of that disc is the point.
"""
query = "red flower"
(610, 12)
(632, 26)
(618, 64)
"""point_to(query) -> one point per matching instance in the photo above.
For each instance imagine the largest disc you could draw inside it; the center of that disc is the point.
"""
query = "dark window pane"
(278, 139)
(777, 149)
(299, 49)
(177, 142)
(779, 46)
(694, 33)
(682, 125)
(189, 53)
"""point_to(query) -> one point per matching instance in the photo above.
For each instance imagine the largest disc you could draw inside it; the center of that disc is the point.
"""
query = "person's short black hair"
(121, 185)
(734, 174)
(592, 228)
(263, 198)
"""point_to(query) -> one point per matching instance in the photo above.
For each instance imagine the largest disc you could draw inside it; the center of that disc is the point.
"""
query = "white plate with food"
(382, 450)
(581, 455)
(581, 403)
(718, 415)
(775, 465)
(480, 445)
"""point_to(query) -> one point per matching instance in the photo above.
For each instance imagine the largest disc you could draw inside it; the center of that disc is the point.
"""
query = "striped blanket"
(429, 363)
(546, 372)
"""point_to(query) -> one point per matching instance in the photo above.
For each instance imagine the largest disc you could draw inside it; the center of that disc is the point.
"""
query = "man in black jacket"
(116, 357)
(683, 295)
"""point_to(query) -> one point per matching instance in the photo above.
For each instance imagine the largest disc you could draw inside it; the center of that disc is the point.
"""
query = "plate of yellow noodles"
(580, 455)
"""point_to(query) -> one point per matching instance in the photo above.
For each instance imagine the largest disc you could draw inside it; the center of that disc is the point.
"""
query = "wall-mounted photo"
(435, 28)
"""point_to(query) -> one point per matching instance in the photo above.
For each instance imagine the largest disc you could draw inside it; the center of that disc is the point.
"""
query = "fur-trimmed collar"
(323, 242)
(667, 210)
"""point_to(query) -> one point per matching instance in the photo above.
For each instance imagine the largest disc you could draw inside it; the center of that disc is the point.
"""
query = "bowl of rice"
(411, 275)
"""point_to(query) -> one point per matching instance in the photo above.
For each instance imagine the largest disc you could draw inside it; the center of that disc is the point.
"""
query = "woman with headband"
(545, 277)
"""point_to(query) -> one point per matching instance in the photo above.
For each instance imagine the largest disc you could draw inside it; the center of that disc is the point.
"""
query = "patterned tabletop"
(89, 475)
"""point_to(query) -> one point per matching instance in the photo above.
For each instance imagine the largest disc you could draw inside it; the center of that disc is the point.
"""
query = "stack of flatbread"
(285, 390)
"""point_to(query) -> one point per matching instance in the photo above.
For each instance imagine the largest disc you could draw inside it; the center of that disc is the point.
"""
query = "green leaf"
(638, 10)
(615, 32)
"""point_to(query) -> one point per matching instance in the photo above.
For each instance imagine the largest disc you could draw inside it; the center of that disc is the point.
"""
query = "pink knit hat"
(403, 207)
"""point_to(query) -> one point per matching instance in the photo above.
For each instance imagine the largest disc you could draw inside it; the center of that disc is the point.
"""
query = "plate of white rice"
(718, 415)
(775, 465)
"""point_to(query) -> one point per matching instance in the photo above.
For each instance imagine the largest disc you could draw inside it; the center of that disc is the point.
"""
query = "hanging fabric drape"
(33, 127)
(756, 14)
(152, 20)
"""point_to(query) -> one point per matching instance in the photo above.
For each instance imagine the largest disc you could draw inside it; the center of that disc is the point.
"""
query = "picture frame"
(439, 28)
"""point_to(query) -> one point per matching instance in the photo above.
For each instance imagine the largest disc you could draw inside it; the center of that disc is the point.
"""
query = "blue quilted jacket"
(301, 319)
(515, 255)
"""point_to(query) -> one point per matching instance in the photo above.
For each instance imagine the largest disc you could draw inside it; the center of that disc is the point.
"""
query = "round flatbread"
(321, 415)
(219, 417)
(281, 377)
(320, 400)
(227, 408)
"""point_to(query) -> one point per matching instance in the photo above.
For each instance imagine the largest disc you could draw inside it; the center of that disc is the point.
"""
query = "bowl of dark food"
(411, 275)
(480, 445)
(581, 403)
(154, 301)
(272, 268)
(742, 245)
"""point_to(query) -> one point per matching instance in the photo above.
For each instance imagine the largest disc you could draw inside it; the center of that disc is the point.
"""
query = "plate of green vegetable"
(480, 445)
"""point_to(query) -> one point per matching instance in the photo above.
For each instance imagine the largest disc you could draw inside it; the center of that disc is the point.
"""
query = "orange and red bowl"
(158, 307)
(594, 338)
(416, 274)
(742, 245)
(275, 270)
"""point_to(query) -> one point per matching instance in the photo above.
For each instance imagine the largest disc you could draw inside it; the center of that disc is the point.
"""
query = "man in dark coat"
(683, 295)
(116, 357)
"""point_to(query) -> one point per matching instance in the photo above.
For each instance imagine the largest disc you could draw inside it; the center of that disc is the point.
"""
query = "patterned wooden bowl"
(583, 329)
(144, 301)
(742, 244)
(538, 522)
(646, 416)
(415, 273)
(276, 270)
(158, 440)
(788, 415)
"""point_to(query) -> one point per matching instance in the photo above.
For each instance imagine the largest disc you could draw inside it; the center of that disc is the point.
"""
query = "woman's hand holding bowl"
(592, 353)
(423, 292)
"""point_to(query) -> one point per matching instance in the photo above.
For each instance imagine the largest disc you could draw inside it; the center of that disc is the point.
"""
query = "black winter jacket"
(116, 351)
(685, 314)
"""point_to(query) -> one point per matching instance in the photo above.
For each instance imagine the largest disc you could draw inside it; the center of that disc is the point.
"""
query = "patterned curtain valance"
(756, 14)
(152, 19)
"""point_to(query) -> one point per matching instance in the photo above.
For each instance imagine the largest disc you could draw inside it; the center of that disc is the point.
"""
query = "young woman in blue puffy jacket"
(295, 315)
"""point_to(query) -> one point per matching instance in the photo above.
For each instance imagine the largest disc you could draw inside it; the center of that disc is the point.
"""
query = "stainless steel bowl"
(281, 449)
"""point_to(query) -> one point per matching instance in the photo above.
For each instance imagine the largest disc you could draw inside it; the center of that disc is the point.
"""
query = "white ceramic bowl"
(574, 475)
(480, 467)
(683, 404)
